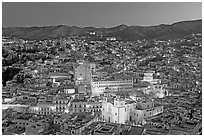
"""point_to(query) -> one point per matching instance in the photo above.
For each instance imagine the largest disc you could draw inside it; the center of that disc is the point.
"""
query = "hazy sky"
(98, 14)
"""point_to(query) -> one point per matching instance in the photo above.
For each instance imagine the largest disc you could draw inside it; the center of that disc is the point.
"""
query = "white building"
(8, 99)
(115, 112)
(43, 108)
(148, 76)
(158, 91)
(120, 111)
(111, 39)
(59, 105)
(98, 87)
(16, 107)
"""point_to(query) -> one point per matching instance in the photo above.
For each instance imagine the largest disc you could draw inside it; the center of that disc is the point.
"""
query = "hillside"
(124, 32)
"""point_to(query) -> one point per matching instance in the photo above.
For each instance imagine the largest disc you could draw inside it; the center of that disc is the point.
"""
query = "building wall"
(158, 90)
(18, 108)
(21, 123)
(83, 73)
(78, 107)
(120, 114)
(98, 87)
(148, 76)
(8, 99)
(69, 91)
(127, 112)
(116, 113)
(61, 105)
(107, 112)
(57, 106)
(139, 115)
(43, 109)
(94, 106)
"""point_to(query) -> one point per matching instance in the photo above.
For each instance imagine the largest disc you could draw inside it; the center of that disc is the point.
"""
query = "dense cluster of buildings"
(72, 86)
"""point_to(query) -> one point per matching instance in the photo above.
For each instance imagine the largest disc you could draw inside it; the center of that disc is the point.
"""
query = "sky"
(105, 14)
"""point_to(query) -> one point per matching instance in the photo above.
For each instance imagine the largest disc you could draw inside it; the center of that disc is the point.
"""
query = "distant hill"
(124, 32)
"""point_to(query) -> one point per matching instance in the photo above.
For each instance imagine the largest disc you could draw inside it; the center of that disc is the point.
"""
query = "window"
(116, 114)
(144, 114)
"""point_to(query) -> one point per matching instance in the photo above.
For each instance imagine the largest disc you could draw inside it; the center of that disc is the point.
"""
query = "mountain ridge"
(124, 32)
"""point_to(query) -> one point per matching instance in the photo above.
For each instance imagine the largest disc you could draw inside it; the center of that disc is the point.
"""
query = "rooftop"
(102, 128)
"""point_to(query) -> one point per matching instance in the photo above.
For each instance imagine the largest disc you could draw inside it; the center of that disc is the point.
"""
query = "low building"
(94, 106)
(8, 99)
(61, 103)
(22, 120)
(76, 124)
(158, 91)
(43, 108)
(37, 127)
(78, 105)
(117, 86)
(16, 107)
(122, 111)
